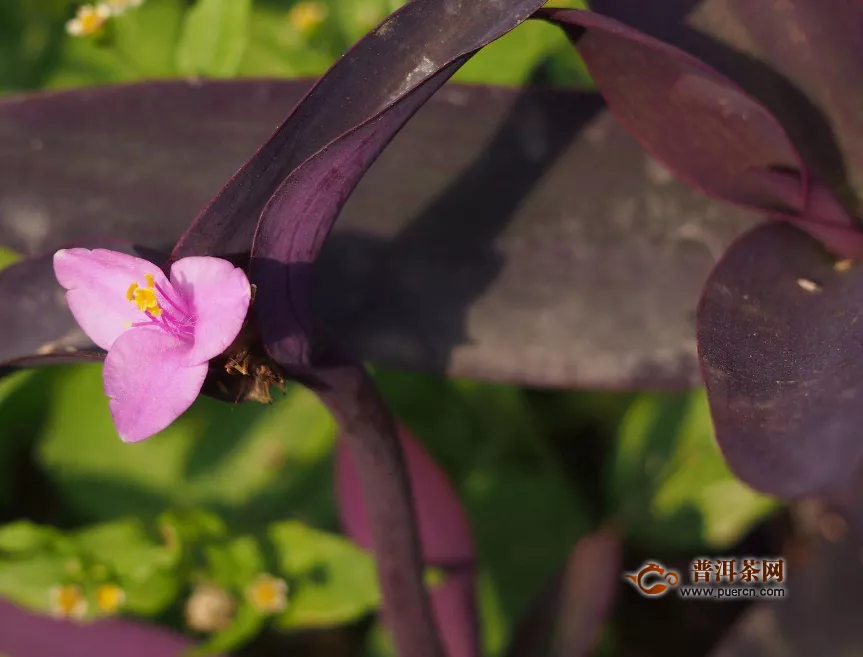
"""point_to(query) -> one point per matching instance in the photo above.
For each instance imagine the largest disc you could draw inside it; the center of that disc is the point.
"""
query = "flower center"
(145, 297)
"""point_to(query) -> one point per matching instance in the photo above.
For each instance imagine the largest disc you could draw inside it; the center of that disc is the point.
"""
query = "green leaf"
(246, 624)
(28, 583)
(147, 36)
(126, 547)
(234, 564)
(249, 461)
(23, 537)
(151, 596)
(332, 581)
(214, 37)
(668, 481)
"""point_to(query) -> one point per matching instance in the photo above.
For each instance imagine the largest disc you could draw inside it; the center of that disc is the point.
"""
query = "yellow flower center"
(109, 598)
(145, 297)
(306, 16)
(68, 601)
(268, 594)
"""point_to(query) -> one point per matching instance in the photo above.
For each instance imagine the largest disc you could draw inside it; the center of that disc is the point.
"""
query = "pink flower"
(159, 334)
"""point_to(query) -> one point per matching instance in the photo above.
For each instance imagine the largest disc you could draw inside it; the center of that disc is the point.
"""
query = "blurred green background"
(230, 491)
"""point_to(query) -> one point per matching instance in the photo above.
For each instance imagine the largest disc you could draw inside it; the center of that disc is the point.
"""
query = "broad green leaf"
(147, 36)
(668, 482)
(246, 624)
(126, 547)
(29, 582)
(23, 537)
(278, 49)
(214, 38)
(332, 581)
(152, 595)
(249, 461)
(234, 564)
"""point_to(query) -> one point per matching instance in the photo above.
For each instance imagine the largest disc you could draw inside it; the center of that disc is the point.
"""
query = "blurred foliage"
(228, 492)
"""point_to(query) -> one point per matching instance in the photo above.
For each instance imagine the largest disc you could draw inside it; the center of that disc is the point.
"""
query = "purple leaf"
(567, 618)
(411, 46)
(491, 208)
(699, 123)
(782, 359)
(23, 634)
(38, 327)
(805, 60)
(693, 119)
(444, 532)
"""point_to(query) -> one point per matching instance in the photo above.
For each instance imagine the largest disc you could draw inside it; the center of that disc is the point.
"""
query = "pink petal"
(96, 282)
(147, 382)
(219, 296)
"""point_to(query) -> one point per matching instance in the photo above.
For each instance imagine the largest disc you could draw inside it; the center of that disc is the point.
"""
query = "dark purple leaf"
(23, 634)
(37, 327)
(782, 356)
(698, 122)
(802, 58)
(567, 618)
(445, 538)
(491, 209)
(411, 46)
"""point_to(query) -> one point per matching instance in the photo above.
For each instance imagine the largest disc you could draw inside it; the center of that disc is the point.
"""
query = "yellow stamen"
(268, 594)
(145, 297)
(68, 602)
(109, 598)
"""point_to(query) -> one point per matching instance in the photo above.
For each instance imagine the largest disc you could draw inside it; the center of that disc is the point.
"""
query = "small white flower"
(88, 20)
(268, 594)
(68, 602)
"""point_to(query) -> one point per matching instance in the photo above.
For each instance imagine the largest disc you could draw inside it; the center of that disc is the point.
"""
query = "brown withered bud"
(244, 371)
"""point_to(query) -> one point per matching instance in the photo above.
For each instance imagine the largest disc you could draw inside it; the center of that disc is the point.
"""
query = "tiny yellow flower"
(268, 594)
(68, 601)
(109, 598)
(209, 608)
(118, 7)
(306, 16)
(89, 20)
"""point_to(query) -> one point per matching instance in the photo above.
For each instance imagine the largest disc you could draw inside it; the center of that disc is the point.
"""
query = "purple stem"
(369, 432)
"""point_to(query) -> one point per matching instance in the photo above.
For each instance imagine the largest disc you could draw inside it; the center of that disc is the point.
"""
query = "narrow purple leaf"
(695, 120)
(408, 48)
(815, 46)
(23, 634)
(491, 208)
(699, 123)
(782, 359)
(567, 618)
(445, 538)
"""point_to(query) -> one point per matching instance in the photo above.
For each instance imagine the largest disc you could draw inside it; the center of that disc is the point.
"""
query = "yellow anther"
(145, 297)
(109, 598)
(68, 602)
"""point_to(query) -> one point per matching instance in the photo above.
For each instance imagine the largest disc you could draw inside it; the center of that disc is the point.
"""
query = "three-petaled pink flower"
(160, 333)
